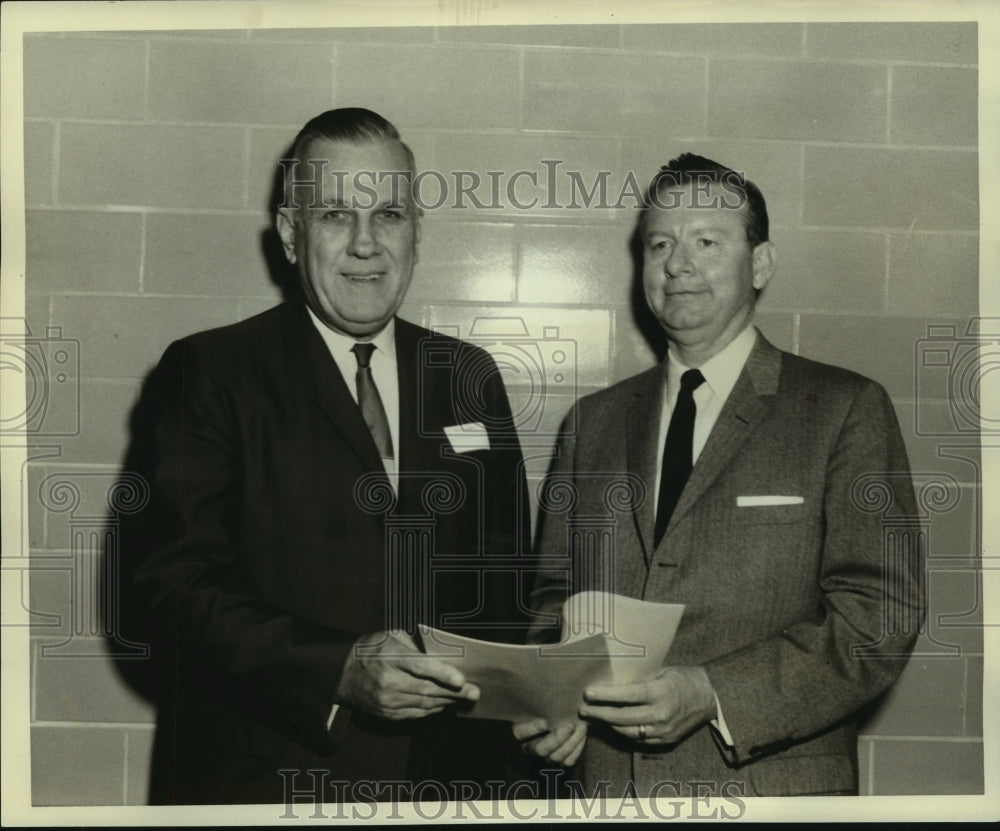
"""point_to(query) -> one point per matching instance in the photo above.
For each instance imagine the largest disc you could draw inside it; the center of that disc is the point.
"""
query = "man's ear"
(285, 223)
(765, 258)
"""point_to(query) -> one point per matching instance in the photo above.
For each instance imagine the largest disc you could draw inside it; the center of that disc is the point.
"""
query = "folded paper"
(607, 638)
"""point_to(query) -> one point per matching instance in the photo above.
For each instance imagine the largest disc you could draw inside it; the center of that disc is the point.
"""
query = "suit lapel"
(642, 434)
(311, 363)
(426, 405)
(411, 408)
(748, 403)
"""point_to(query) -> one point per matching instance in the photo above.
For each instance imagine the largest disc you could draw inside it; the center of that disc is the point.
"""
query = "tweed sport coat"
(800, 612)
(269, 545)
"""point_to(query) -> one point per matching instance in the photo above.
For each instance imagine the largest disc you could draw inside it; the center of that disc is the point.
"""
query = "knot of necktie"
(363, 352)
(691, 380)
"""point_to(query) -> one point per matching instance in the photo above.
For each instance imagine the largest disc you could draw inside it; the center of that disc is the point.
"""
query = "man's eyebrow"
(363, 201)
(700, 229)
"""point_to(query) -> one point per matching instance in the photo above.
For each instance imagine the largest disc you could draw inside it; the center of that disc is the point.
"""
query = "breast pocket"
(769, 514)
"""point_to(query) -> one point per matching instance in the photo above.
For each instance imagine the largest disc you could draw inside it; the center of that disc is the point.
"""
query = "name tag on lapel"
(464, 438)
(758, 501)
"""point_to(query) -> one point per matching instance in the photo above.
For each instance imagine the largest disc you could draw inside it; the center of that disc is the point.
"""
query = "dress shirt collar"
(720, 371)
(341, 345)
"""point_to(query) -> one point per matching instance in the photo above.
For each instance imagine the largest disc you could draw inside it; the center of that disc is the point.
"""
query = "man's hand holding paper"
(660, 710)
(387, 676)
(561, 745)
(606, 667)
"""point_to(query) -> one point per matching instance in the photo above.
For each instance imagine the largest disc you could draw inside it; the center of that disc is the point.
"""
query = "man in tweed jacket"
(796, 612)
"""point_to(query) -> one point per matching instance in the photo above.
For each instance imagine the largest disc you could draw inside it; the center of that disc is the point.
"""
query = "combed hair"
(689, 168)
(354, 124)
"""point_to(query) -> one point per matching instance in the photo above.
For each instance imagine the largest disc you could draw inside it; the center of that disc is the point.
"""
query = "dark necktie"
(677, 451)
(370, 401)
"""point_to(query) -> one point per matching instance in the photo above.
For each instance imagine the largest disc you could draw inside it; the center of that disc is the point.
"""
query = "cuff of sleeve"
(337, 724)
(719, 723)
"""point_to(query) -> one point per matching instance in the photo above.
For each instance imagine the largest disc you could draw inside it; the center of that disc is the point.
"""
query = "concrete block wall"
(149, 157)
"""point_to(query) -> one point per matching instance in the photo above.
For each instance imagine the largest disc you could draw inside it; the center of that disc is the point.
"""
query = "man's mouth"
(363, 276)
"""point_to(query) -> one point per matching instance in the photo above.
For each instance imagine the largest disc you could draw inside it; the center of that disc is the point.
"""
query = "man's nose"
(678, 263)
(364, 242)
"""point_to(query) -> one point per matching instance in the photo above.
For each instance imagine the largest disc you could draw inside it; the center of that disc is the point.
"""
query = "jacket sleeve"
(816, 672)
(211, 634)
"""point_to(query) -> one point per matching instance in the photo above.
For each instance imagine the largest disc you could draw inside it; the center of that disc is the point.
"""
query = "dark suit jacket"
(800, 613)
(272, 542)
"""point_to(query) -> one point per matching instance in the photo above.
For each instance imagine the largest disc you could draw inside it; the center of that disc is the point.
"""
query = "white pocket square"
(758, 501)
(465, 438)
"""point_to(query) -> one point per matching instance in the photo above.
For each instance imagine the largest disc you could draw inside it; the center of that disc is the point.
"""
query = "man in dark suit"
(306, 466)
(750, 472)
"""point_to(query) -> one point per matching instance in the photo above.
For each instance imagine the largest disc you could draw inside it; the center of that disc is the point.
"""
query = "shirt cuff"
(719, 723)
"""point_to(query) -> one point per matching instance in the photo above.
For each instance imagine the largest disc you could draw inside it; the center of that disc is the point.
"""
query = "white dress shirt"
(721, 373)
(385, 374)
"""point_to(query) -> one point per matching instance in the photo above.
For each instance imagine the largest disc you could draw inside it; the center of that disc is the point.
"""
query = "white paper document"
(606, 638)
